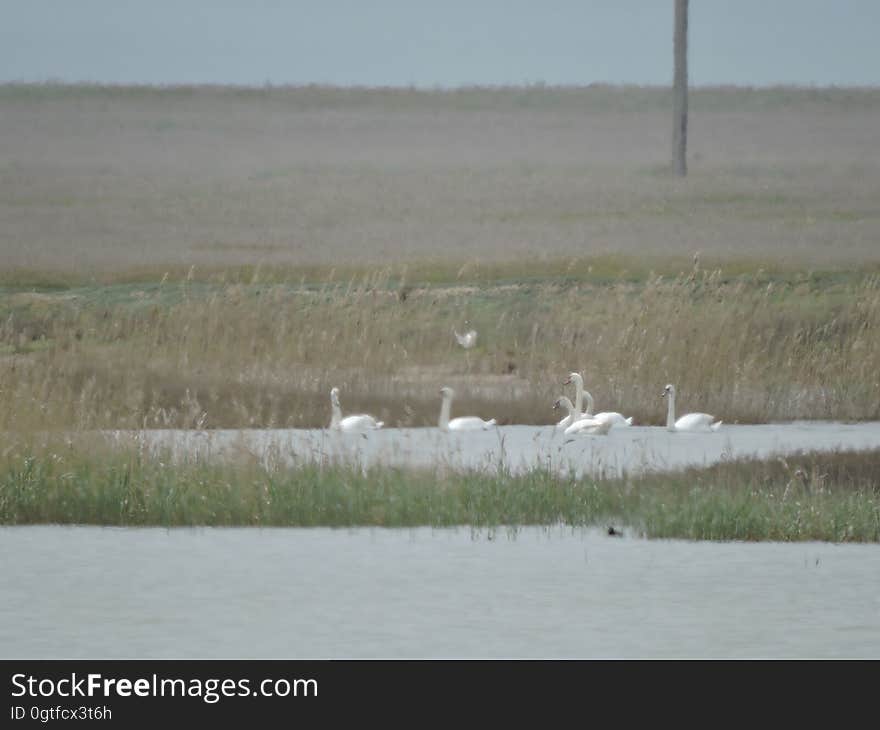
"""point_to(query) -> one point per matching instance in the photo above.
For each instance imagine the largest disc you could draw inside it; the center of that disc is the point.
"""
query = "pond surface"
(521, 447)
(72, 592)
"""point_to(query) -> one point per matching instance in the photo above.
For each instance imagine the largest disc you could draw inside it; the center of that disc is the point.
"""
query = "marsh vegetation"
(812, 496)
(209, 257)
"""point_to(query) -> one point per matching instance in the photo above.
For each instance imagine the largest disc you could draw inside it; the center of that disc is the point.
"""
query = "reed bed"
(816, 496)
(247, 353)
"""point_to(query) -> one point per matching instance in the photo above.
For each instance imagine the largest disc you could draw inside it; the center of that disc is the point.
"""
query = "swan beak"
(663, 394)
(567, 381)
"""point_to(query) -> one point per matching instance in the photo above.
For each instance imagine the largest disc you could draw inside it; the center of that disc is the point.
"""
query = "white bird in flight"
(468, 339)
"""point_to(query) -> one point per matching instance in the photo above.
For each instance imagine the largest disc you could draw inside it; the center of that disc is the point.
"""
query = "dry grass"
(188, 353)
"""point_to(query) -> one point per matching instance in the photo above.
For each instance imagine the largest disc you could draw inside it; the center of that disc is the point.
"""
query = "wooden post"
(680, 90)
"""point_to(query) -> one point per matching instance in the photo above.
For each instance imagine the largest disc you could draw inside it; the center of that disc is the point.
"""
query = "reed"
(816, 496)
(748, 348)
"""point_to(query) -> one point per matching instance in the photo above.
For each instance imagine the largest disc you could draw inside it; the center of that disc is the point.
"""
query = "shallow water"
(321, 593)
(522, 447)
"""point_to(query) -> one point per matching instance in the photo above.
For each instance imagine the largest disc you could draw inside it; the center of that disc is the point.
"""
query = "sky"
(437, 44)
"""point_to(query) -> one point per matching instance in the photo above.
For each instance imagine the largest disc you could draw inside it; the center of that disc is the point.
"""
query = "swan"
(468, 339)
(573, 413)
(579, 423)
(464, 423)
(690, 421)
(350, 424)
(617, 419)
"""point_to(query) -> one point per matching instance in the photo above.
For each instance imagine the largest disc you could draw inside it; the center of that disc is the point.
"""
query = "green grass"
(825, 496)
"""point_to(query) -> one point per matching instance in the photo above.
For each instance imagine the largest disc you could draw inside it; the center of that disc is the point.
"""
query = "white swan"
(580, 423)
(463, 423)
(468, 339)
(350, 424)
(617, 419)
(690, 421)
(573, 413)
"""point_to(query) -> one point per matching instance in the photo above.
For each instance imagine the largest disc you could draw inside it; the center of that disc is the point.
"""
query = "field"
(114, 183)
(222, 257)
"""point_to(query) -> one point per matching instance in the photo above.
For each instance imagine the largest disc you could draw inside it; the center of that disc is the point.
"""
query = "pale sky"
(448, 44)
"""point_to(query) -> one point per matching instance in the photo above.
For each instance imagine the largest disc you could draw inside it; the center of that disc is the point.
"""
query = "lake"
(73, 592)
(632, 449)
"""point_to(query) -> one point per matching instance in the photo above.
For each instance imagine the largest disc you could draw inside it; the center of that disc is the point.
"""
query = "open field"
(119, 183)
(814, 496)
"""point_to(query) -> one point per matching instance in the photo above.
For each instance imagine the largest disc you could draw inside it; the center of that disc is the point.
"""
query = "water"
(522, 447)
(73, 592)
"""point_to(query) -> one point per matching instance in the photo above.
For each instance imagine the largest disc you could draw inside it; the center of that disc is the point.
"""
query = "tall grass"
(833, 497)
(747, 348)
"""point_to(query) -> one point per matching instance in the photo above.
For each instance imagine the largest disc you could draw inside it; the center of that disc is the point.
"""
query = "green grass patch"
(823, 496)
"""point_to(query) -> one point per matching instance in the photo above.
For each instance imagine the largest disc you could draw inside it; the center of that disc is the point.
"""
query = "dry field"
(222, 257)
(101, 182)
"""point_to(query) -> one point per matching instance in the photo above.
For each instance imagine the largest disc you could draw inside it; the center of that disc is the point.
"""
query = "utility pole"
(680, 90)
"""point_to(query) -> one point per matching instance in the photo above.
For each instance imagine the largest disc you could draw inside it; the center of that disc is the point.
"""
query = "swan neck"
(589, 398)
(337, 414)
(670, 411)
(578, 393)
(444, 412)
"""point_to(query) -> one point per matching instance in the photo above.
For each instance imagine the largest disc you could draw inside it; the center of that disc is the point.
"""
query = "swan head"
(334, 395)
(572, 378)
(558, 404)
(668, 390)
(447, 392)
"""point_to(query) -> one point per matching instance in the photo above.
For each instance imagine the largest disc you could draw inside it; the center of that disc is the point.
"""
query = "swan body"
(617, 419)
(463, 423)
(467, 340)
(580, 423)
(592, 426)
(690, 421)
(360, 423)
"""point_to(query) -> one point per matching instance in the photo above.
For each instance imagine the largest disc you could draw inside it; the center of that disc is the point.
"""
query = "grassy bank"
(818, 496)
(264, 351)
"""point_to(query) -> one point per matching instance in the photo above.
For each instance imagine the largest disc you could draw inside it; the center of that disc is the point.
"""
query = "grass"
(264, 351)
(817, 496)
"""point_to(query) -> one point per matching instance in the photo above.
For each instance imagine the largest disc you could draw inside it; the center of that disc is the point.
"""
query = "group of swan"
(576, 422)
(580, 421)
(362, 423)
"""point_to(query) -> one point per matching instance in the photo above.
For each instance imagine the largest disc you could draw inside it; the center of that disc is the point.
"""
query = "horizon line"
(433, 88)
